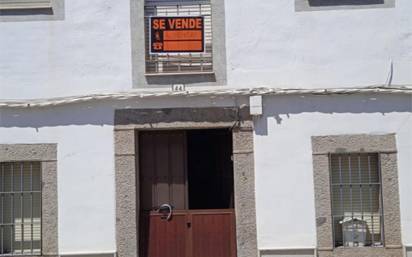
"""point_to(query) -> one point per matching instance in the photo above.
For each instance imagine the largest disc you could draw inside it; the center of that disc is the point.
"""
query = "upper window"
(317, 5)
(31, 10)
(178, 36)
(356, 200)
(20, 208)
(25, 4)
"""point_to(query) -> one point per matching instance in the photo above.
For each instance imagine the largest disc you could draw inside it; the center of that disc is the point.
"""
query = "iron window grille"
(20, 213)
(356, 197)
(179, 63)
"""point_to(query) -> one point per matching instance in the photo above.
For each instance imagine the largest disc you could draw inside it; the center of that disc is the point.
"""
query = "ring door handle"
(166, 208)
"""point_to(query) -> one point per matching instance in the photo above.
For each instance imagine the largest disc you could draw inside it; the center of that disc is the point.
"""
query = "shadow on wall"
(344, 2)
(25, 12)
(278, 106)
(102, 112)
(79, 114)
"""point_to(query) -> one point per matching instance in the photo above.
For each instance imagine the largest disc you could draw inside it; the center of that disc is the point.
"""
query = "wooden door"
(163, 180)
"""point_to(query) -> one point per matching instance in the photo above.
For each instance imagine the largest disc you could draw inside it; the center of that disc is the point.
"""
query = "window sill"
(179, 74)
(382, 251)
(359, 247)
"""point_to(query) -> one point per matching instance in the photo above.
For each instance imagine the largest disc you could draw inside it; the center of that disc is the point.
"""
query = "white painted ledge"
(222, 91)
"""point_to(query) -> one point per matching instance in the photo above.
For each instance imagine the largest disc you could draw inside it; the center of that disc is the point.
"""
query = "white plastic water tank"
(354, 232)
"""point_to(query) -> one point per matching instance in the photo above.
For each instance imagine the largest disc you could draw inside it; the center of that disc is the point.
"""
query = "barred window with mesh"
(20, 208)
(356, 200)
(179, 63)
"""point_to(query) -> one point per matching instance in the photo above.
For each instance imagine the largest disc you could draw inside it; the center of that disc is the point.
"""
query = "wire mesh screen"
(356, 200)
(169, 63)
(20, 208)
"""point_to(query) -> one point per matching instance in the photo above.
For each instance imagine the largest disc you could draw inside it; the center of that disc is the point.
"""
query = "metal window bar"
(20, 193)
(381, 221)
(356, 200)
(180, 63)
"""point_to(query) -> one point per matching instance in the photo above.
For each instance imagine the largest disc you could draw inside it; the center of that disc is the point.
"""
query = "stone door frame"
(128, 123)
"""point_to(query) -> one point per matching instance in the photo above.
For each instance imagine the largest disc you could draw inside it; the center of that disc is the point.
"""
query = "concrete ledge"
(288, 253)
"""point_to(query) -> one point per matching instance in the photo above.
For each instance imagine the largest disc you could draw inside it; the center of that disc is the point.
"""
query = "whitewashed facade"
(90, 49)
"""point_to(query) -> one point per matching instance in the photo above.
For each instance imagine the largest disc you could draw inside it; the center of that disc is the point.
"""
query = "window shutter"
(25, 4)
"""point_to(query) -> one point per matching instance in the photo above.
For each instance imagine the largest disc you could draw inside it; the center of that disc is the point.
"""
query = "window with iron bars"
(356, 195)
(20, 212)
(180, 63)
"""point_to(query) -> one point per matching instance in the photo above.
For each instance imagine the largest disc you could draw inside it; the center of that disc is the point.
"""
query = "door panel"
(163, 169)
(177, 166)
(147, 175)
(213, 233)
(170, 236)
(163, 238)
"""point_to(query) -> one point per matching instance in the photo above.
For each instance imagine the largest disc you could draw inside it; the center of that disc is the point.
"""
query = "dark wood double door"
(186, 194)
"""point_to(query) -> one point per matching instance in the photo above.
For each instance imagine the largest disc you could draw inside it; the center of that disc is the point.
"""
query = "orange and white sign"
(177, 34)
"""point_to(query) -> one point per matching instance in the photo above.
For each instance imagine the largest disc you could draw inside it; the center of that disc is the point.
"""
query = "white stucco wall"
(267, 43)
(283, 157)
(88, 51)
(86, 186)
(283, 160)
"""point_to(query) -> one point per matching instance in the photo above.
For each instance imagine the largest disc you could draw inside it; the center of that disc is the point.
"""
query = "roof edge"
(127, 95)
